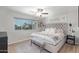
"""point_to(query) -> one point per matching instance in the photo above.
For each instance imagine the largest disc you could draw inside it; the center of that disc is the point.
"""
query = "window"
(23, 24)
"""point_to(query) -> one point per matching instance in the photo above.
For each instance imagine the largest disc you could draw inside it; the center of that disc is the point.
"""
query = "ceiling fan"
(41, 12)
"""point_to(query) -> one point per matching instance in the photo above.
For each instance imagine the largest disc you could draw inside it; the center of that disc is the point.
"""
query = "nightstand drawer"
(70, 36)
(70, 41)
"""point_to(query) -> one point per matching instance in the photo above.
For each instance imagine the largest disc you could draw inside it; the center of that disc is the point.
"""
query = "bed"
(52, 39)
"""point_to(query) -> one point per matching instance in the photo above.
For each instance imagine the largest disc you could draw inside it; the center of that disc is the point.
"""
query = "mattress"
(56, 48)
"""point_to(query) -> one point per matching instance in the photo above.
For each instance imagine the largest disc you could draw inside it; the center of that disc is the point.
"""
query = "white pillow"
(50, 30)
(47, 29)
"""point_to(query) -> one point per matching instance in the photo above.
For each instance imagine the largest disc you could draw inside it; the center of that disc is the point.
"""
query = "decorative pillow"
(50, 30)
(58, 31)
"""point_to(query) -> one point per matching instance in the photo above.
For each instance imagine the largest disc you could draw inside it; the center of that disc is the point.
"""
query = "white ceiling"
(52, 10)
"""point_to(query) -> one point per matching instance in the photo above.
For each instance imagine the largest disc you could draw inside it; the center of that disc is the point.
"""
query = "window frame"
(16, 18)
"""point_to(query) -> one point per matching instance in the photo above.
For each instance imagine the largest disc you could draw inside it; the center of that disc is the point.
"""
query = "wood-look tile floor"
(68, 49)
(25, 47)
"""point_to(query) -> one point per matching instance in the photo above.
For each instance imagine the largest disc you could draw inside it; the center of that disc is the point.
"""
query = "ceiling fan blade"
(45, 13)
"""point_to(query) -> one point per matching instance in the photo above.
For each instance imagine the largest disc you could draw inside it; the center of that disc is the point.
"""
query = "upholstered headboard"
(63, 26)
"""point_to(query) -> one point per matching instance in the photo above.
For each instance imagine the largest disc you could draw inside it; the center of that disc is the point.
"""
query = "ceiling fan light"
(38, 14)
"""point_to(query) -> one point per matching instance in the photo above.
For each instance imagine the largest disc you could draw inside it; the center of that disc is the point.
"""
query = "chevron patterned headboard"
(63, 26)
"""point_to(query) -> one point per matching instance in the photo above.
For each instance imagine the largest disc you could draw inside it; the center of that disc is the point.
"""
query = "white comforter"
(43, 37)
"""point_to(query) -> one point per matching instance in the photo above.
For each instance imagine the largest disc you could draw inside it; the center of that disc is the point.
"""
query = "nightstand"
(70, 39)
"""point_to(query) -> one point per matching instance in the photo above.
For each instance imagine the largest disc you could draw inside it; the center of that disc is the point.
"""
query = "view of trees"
(25, 26)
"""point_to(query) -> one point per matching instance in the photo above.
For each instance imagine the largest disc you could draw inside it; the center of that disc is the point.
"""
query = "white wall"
(7, 24)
